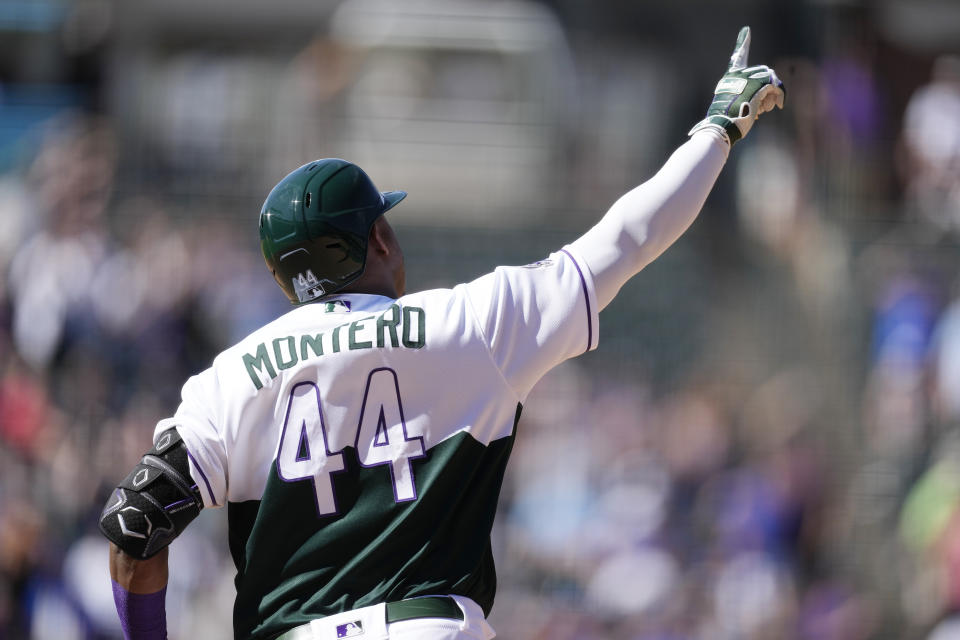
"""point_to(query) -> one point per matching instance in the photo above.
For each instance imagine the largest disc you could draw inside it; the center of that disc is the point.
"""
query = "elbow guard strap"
(155, 502)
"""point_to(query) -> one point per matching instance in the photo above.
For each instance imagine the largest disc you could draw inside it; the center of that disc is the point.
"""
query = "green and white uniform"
(360, 442)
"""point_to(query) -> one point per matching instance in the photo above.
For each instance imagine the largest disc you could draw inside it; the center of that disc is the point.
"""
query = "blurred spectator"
(835, 612)
(946, 366)
(895, 412)
(50, 274)
(24, 410)
(21, 528)
(931, 138)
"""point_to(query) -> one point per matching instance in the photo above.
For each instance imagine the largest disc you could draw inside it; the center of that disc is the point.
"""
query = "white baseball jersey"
(360, 442)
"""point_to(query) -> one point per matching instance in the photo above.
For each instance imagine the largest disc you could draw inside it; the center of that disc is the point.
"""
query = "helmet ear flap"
(314, 227)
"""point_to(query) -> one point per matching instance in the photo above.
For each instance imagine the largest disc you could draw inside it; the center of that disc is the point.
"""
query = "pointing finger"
(739, 58)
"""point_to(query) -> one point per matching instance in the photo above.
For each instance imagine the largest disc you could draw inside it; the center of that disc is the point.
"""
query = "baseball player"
(359, 441)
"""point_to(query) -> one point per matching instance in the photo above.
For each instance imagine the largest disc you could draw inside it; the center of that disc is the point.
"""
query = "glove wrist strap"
(728, 128)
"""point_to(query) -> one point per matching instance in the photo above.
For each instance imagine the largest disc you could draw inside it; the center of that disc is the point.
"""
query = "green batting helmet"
(314, 227)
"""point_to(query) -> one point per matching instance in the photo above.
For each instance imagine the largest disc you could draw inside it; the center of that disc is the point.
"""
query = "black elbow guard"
(153, 504)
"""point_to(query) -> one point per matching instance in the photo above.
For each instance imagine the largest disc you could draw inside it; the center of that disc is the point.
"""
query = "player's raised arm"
(648, 219)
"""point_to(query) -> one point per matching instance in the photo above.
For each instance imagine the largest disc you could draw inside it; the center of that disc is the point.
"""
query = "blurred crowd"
(101, 325)
(796, 475)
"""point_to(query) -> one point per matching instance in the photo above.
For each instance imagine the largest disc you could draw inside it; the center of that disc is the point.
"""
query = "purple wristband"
(143, 616)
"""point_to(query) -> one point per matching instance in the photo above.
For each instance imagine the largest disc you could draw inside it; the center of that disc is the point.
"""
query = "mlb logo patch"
(350, 629)
(337, 306)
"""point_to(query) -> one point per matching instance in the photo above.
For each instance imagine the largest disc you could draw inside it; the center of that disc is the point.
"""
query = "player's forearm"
(645, 221)
(138, 576)
(139, 593)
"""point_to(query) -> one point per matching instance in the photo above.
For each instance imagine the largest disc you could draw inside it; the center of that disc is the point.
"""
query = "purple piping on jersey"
(586, 298)
(213, 499)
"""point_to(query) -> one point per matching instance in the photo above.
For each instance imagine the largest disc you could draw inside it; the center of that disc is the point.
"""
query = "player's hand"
(742, 94)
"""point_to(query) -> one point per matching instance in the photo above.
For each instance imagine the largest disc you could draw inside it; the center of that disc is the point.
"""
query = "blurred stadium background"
(765, 446)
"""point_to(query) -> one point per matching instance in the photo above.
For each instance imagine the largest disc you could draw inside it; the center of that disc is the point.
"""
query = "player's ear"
(380, 237)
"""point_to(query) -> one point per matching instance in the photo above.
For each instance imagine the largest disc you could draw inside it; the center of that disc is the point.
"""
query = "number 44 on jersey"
(381, 439)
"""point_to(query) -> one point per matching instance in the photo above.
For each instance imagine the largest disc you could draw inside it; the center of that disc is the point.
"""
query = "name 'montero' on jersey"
(395, 327)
